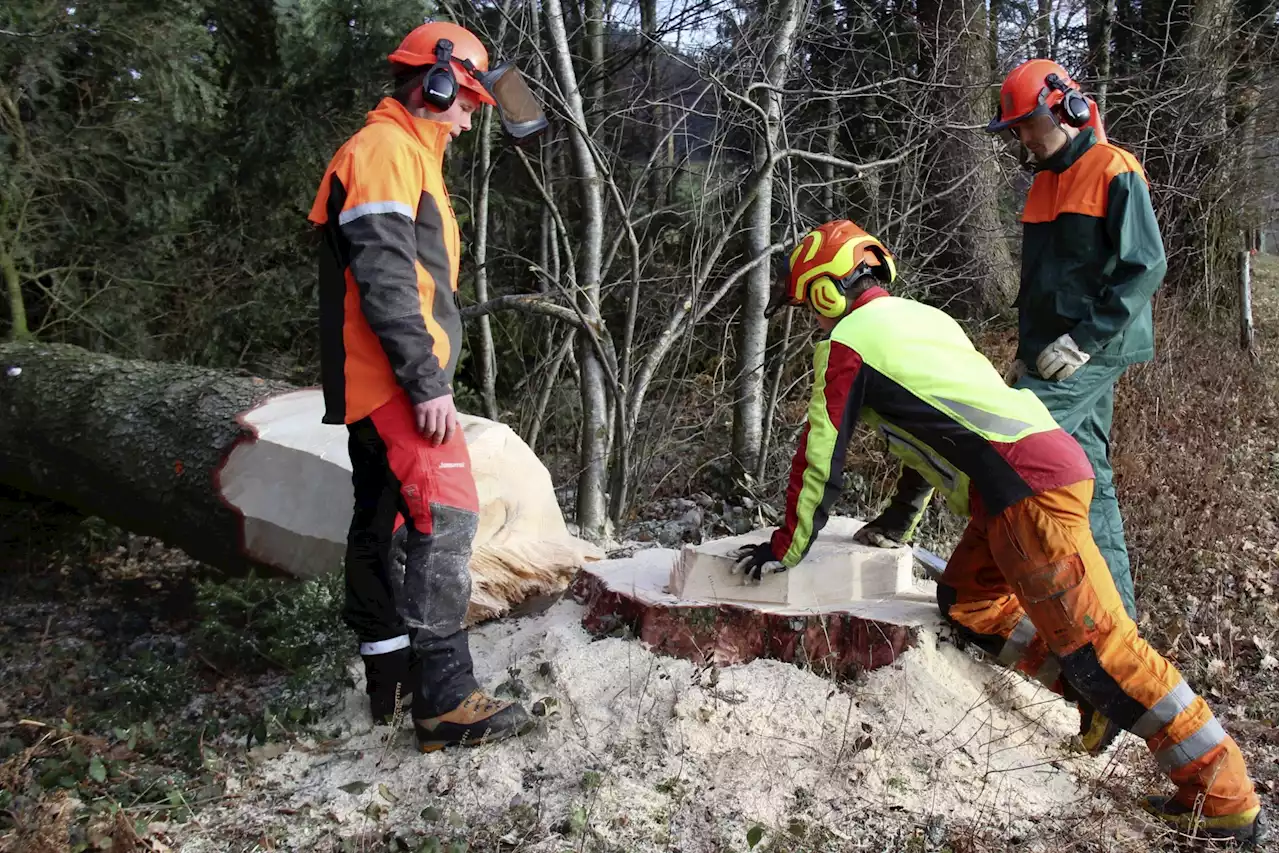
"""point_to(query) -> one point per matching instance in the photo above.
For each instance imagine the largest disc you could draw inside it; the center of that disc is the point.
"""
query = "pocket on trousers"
(1062, 604)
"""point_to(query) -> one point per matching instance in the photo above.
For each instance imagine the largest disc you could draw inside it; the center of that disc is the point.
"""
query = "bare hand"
(436, 419)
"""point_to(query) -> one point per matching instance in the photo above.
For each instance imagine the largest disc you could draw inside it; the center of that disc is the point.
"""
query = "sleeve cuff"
(1086, 341)
(426, 392)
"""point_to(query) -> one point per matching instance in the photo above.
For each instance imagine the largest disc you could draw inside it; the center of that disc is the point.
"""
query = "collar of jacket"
(867, 295)
(1068, 154)
(863, 298)
(433, 135)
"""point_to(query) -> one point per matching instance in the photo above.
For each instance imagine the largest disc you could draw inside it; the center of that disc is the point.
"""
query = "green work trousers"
(1082, 405)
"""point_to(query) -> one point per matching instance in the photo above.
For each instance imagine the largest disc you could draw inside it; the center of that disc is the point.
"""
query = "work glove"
(1060, 359)
(1016, 371)
(751, 561)
(888, 529)
(893, 526)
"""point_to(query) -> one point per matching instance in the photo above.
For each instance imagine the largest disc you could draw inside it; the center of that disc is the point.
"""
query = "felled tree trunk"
(137, 443)
(241, 474)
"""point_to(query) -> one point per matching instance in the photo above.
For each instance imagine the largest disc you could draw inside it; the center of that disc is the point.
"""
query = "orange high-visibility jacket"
(389, 318)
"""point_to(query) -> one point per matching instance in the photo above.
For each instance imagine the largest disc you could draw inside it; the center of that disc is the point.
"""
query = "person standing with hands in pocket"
(390, 334)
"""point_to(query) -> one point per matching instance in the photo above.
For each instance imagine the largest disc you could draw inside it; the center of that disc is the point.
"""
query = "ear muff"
(440, 86)
(1075, 107)
(827, 297)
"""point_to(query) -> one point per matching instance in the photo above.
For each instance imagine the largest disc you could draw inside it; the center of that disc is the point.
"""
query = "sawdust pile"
(641, 752)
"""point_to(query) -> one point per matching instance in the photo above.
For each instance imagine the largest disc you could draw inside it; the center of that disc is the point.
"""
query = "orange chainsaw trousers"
(1031, 588)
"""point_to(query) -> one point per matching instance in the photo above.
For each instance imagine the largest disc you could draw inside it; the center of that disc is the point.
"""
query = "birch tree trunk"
(488, 365)
(753, 330)
(591, 505)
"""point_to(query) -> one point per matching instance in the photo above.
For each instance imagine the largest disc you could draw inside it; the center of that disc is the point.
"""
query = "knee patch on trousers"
(437, 582)
(1063, 604)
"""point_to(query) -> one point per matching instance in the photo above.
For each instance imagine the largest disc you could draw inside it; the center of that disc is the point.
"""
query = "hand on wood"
(753, 560)
(436, 419)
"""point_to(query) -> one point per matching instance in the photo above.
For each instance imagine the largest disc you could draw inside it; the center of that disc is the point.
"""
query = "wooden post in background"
(1246, 302)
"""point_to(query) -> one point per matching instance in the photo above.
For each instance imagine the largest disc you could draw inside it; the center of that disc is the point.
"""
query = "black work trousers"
(422, 603)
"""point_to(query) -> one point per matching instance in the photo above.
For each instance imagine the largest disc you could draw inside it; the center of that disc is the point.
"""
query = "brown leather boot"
(479, 719)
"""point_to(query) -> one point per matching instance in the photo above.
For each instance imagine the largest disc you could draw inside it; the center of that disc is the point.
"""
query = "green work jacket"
(1092, 256)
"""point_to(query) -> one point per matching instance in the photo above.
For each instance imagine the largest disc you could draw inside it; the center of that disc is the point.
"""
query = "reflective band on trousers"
(1163, 712)
(1181, 754)
(381, 647)
(1016, 645)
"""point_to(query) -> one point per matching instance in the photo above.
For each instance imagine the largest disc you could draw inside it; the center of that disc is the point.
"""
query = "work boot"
(479, 719)
(1097, 732)
(1248, 828)
(390, 682)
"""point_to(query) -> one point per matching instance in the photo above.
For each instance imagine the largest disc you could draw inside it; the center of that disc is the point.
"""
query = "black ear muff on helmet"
(439, 85)
(1075, 107)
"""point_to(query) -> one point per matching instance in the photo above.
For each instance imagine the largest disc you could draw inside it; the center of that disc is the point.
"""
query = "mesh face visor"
(521, 114)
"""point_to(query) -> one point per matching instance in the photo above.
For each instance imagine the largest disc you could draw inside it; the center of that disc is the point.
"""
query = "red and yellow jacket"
(389, 320)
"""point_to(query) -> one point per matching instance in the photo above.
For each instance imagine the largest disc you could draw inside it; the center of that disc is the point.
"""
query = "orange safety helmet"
(419, 50)
(1037, 86)
(825, 262)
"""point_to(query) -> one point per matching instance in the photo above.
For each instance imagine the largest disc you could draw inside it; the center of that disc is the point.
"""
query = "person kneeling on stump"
(1027, 583)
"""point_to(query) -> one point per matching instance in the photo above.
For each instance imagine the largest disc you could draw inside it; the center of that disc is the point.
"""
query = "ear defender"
(439, 86)
(826, 296)
(1075, 107)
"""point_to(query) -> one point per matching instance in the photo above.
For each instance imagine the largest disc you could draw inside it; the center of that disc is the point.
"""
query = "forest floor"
(148, 704)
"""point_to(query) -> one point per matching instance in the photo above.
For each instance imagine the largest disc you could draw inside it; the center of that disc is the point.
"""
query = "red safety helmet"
(825, 262)
(418, 50)
(1037, 86)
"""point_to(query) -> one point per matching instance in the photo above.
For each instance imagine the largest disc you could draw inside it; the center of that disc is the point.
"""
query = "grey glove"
(751, 561)
(891, 528)
(1060, 359)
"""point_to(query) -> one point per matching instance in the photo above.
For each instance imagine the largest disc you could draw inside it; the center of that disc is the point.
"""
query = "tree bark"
(488, 366)
(137, 443)
(838, 643)
(241, 473)
(18, 330)
(972, 258)
(748, 410)
(1100, 21)
(1044, 28)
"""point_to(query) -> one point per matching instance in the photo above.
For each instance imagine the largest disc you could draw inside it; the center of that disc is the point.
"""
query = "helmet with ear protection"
(448, 49)
(1039, 86)
(826, 263)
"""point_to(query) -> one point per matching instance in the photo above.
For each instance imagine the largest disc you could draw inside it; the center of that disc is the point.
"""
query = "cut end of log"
(839, 639)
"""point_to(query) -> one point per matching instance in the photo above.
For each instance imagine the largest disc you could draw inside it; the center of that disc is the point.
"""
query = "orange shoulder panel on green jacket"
(1082, 188)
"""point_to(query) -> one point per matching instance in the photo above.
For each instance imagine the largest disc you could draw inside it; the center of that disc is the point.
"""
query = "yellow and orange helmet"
(825, 263)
